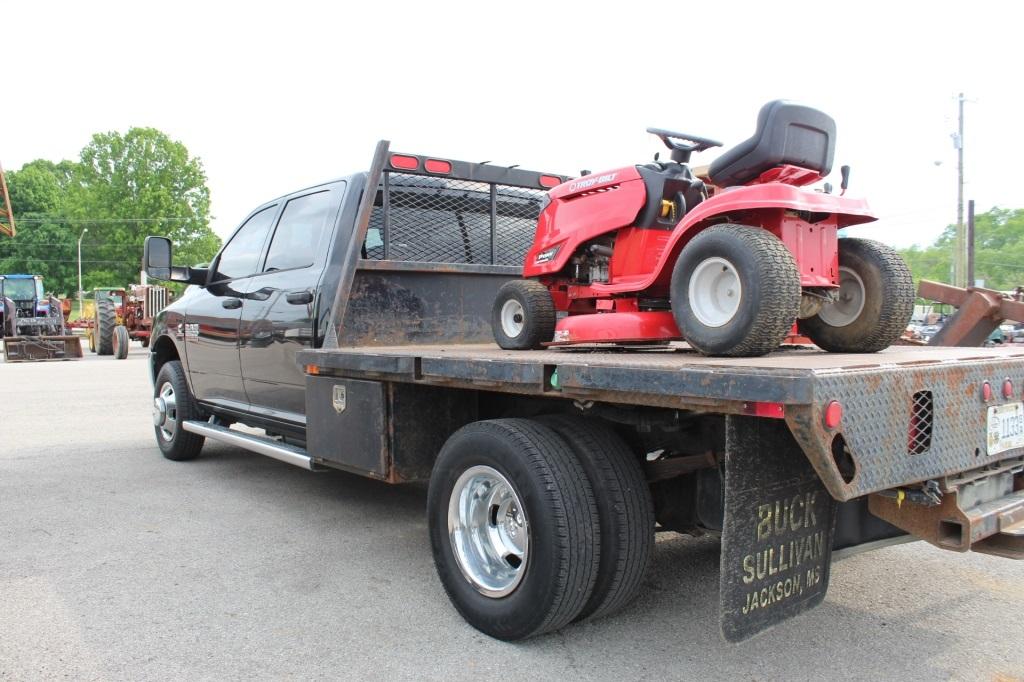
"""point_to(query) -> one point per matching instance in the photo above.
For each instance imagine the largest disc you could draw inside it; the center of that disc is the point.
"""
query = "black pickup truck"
(347, 326)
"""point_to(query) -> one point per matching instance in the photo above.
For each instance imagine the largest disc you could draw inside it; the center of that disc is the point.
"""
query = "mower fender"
(735, 201)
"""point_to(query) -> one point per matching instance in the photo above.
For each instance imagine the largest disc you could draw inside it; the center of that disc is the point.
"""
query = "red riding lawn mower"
(729, 261)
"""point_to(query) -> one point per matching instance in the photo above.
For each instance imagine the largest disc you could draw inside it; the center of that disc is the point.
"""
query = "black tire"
(10, 318)
(888, 301)
(56, 315)
(181, 445)
(624, 507)
(561, 565)
(106, 320)
(769, 291)
(120, 341)
(530, 305)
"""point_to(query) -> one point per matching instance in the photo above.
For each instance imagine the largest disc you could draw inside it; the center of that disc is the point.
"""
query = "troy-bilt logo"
(590, 182)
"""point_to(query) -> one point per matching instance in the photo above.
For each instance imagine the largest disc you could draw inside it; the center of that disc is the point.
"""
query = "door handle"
(231, 303)
(300, 297)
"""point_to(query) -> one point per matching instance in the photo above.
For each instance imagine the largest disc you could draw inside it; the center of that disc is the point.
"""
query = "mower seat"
(787, 133)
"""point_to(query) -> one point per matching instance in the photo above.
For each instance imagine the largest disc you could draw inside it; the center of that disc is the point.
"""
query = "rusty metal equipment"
(979, 312)
(6, 214)
(983, 509)
(32, 324)
(110, 309)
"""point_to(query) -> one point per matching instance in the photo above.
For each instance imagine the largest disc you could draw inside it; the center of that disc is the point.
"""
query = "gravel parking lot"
(118, 564)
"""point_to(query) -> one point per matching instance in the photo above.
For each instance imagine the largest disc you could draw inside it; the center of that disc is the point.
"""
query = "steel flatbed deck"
(884, 396)
(635, 375)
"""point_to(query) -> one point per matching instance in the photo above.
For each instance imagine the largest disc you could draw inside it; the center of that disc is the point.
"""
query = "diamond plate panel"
(879, 408)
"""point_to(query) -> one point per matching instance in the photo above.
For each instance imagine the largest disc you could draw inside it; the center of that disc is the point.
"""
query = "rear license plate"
(1005, 428)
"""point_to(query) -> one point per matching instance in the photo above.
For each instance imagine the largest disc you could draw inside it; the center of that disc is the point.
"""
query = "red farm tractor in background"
(729, 260)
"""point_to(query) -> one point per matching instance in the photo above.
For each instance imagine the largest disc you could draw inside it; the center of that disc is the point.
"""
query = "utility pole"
(970, 243)
(80, 271)
(960, 277)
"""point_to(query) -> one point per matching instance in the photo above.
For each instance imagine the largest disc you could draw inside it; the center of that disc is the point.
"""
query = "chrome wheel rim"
(489, 531)
(714, 292)
(513, 318)
(165, 412)
(849, 303)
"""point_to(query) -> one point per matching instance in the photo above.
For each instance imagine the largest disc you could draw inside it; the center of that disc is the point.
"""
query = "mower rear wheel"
(874, 305)
(523, 316)
(106, 320)
(735, 291)
(173, 404)
(121, 340)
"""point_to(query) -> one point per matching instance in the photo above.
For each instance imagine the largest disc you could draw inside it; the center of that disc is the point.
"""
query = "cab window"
(242, 254)
(299, 232)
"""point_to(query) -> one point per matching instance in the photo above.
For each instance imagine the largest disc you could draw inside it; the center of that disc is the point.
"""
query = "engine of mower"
(652, 253)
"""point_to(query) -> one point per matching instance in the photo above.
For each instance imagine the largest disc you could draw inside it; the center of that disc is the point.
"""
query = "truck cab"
(236, 332)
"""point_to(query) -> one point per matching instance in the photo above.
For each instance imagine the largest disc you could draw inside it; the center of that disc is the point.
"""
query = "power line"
(63, 219)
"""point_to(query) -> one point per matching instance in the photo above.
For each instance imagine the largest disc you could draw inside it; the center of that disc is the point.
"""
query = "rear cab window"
(300, 232)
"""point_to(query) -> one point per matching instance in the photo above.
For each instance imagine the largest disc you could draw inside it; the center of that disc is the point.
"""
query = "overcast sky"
(275, 96)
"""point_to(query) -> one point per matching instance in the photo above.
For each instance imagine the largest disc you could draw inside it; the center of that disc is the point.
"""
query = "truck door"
(211, 320)
(278, 312)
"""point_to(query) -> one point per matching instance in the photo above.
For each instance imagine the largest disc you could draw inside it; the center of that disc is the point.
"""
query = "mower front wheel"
(735, 291)
(523, 316)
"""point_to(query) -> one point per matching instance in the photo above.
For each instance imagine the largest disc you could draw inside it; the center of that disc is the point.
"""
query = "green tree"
(123, 188)
(41, 246)
(998, 251)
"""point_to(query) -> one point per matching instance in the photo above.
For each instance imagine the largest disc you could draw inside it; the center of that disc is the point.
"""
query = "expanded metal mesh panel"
(440, 220)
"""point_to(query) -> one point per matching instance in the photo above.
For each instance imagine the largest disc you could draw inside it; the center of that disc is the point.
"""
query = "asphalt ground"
(118, 564)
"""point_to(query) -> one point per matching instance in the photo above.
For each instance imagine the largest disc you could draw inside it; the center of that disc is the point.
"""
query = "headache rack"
(430, 210)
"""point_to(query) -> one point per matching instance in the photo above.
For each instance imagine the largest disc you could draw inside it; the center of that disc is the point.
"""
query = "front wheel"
(735, 291)
(513, 527)
(873, 305)
(173, 404)
(121, 341)
(523, 316)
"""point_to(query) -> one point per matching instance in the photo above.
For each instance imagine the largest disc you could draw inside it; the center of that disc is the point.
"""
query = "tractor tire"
(513, 528)
(10, 318)
(735, 291)
(523, 316)
(173, 404)
(876, 301)
(56, 316)
(120, 341)
(625, 510)
(103, 330)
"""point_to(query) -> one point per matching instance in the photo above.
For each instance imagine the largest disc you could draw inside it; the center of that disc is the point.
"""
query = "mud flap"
(777, 532)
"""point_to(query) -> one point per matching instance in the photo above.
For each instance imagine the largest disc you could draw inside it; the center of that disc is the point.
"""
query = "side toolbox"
(384, 430)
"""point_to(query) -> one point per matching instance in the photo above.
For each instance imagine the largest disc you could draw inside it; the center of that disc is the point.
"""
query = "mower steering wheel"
(686, 145)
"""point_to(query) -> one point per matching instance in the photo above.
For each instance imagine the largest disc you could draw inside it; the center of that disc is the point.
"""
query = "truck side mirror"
(156, 258)
(158, 264)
